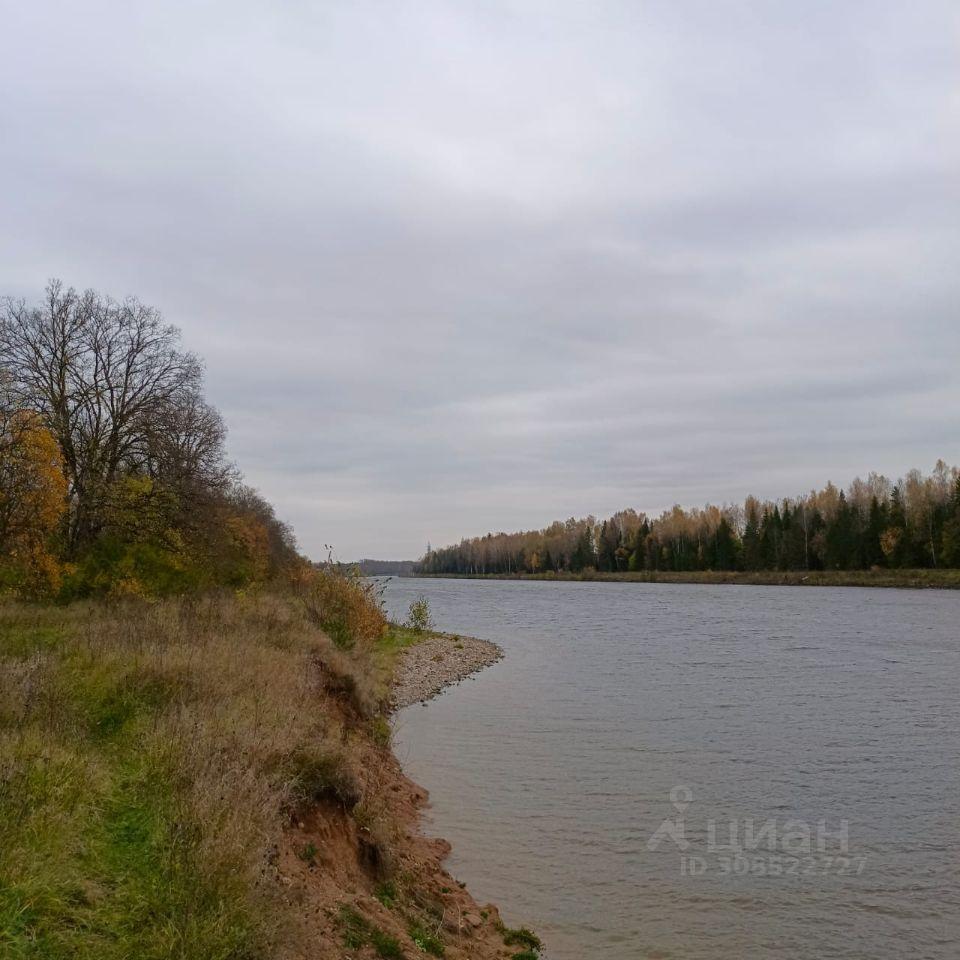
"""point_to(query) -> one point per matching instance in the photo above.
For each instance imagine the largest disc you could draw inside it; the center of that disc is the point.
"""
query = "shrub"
(344, 605)
(315, 775)
(419, 617)
(522, 937)
(115, 568)
(385, 945)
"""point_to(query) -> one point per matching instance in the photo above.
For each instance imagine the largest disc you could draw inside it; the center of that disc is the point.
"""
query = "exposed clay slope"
(372, 862)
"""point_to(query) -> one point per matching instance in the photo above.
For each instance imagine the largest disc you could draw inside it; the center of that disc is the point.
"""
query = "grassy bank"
(147, 752)
(208, 779)
(938, 579)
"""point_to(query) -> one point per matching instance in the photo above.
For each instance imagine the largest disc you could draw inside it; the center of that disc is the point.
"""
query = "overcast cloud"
(458, 267)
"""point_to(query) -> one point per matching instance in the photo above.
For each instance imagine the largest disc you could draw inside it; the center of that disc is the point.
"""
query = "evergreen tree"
(770, 535)
(751, 539)
(876, 524)
(724, 547)
(894, 539)
(607, 547)
(638, 554)
(583, 553)
(950, 549)
(840, 538)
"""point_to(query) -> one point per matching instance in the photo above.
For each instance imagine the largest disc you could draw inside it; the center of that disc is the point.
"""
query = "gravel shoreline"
(429, 667)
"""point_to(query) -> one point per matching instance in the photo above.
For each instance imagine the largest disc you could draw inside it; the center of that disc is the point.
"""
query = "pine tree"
(725, 547)
(751, 539)
(876, 524)
(770, 536)
(950, 549)
(840, 539)
(894, 539)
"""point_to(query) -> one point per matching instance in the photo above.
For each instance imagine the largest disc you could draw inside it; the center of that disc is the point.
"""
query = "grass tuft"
(358, 932)
(522, 937)
(386, 893)
(427, 941)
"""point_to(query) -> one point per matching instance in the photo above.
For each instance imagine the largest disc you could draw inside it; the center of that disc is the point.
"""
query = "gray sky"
(458, 267)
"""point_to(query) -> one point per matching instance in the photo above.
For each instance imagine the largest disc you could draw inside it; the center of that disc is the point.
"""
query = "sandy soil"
(380, 865)
(344, 874)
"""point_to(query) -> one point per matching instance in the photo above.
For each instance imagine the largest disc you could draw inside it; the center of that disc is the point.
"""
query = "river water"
(678, 771)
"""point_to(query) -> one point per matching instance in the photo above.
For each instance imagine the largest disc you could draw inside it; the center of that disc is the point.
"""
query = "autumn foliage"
(113, 473)
(913, 523)
(344, 604)
(32, 503)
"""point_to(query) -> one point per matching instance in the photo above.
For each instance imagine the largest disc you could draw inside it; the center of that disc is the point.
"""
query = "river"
(685, 771)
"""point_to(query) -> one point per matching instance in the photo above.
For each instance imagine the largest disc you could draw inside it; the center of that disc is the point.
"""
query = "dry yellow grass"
(210, 778)
(150, 756)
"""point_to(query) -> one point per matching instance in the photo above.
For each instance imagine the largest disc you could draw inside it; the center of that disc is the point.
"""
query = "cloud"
(457, 267)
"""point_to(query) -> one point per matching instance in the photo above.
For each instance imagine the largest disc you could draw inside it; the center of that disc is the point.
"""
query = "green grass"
(95, 853)
(428, 942)
(308, 853)
(522, 937)
(356, 929)
(21, 640)
(380, 731)
(149, 755)
(398, 637)
(386, 893)
(385, 945)
(395, 639)
(359, 932)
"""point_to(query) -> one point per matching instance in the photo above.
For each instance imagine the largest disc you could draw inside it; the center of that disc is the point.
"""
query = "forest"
(113, 473)
(913, 523)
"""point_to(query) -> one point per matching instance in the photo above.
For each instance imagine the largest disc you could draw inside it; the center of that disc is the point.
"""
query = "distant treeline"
(113, 475)
(912, 523)
(386, 568)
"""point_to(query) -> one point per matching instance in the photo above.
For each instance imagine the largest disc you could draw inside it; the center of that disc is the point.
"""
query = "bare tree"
(185, 446)
(107, 379)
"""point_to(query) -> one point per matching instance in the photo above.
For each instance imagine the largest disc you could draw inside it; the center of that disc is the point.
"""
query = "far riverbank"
(904, 579)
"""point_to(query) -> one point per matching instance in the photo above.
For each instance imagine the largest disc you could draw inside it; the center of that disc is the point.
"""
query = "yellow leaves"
(40, 572)
(249, 537)
(34, 483)
(33, 493)
(137, 510)
(128, 588)
(344, 605)
(890, 540)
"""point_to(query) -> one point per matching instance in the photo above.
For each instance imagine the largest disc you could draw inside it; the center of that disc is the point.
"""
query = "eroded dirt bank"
(364, 879)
